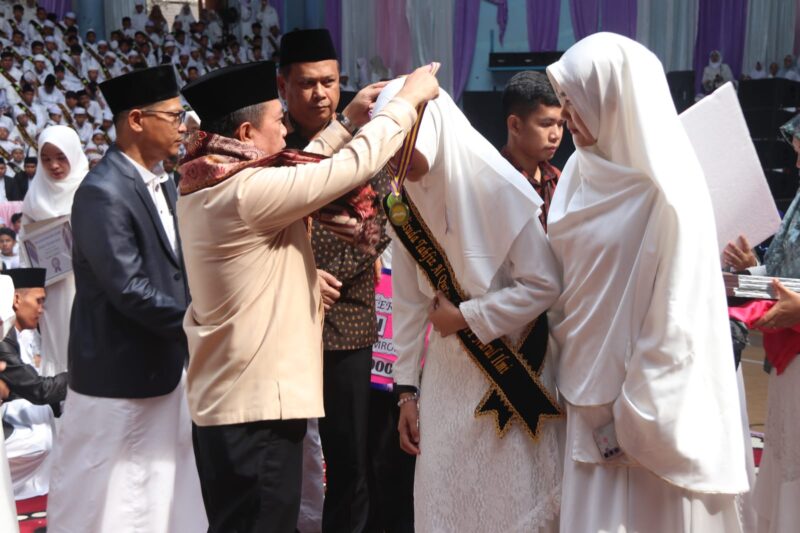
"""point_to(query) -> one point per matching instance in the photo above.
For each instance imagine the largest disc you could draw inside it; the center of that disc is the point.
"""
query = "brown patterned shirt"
(545, 187)
(351, 322)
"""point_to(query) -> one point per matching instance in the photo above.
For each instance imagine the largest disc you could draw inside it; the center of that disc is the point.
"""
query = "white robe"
(138, 470)
(641, 325)
(484, 214)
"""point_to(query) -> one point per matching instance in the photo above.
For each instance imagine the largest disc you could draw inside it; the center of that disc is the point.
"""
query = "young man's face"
(7, 243)
(30, 169)
(80, 119)
(7, 63)
(539, 133)
(3, 134)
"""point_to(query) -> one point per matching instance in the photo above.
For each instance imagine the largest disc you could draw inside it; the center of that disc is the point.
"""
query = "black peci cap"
(140, 88)
(307, 46)
(229, 89)
(27, 278)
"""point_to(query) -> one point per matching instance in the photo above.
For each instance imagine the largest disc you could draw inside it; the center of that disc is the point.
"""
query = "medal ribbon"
(406, 150)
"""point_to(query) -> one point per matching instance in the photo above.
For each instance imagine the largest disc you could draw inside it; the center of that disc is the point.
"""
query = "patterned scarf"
(211, 159)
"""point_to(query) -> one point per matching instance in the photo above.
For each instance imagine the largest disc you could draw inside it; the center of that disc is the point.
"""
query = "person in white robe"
(716, 73)
(8, 510)
(646, 368)
(62, 167)
(777, 490)
(484, 214)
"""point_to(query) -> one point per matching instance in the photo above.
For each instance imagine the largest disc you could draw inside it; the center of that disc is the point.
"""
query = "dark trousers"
(391, 470)
(250, 475)
(343, 431)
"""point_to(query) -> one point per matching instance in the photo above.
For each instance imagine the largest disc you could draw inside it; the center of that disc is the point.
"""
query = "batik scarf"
(211, 159)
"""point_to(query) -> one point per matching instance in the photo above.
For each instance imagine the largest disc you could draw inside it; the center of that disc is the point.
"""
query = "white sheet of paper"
(743, 203)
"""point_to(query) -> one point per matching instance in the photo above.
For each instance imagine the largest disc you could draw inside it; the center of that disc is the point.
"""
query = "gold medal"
(398, 213)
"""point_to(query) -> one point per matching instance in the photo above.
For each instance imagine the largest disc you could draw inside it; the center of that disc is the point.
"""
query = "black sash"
(27, 138)
(28, 111)
(69, 66)
(513, 372)
(11, 80)
(38, 27)
(67, 115)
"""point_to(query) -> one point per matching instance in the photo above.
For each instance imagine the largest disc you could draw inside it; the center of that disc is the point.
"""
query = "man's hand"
(4, 390)
(357, 111)
(408, 426)
(421, 85)
(739, 256)
(445, 317)
(785, 313)
(329, 288)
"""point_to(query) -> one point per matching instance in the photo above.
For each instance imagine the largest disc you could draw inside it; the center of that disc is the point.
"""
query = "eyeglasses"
(177, 116)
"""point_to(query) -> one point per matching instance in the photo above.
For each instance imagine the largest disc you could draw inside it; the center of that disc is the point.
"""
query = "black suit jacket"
(126, 335)
(25, 382)
(21, 182)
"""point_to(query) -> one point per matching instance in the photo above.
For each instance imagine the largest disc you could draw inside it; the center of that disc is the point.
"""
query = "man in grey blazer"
(125, 443)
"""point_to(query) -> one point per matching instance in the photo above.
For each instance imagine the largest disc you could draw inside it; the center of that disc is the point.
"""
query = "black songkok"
(307, 46)
(27, 278)
(221, 92)
(140, 88)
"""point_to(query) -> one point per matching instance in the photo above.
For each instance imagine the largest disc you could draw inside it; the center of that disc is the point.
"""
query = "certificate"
(48, 244)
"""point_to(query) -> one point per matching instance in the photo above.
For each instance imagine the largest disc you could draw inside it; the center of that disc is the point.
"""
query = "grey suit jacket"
(126, 334)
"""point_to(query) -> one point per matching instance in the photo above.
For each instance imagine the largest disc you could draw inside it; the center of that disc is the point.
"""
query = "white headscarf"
(7, 315)
(48, 198)
(468, 183)
(642, 323)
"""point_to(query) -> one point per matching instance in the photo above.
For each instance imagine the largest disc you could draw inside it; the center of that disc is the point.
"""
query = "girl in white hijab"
(484, 214)
(654, 435)
(62, 167)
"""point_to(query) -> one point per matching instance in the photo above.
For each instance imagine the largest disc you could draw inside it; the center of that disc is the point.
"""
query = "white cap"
(102, 42)
(133, 54)
(79, 111)
(138, 3)
(49, 39)
(110, 54)
(70, 15)
(6, 123)
(92, 65)
(49, 24)
(39, 57)
(53, 109)
(107, 114)
(90, 30)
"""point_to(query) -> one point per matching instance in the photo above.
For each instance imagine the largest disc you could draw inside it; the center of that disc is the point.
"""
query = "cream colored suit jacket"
(255, 322)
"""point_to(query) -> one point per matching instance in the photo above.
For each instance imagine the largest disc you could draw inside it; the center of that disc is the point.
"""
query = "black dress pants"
(343, 431)
(250, 475)
(391, 470)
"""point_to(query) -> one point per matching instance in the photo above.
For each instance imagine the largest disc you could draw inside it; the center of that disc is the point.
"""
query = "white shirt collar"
(148, 176)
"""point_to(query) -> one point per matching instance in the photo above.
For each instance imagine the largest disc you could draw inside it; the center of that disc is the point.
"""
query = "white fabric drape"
(8, 512)
(358, 34)
(431, 25)
(669, 30)
(770, 32)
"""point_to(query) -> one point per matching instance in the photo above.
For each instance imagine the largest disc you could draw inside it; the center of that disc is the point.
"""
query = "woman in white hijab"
(8, 510)
(62, 167)
(716, 73)
(483, 213)
(654, 435)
